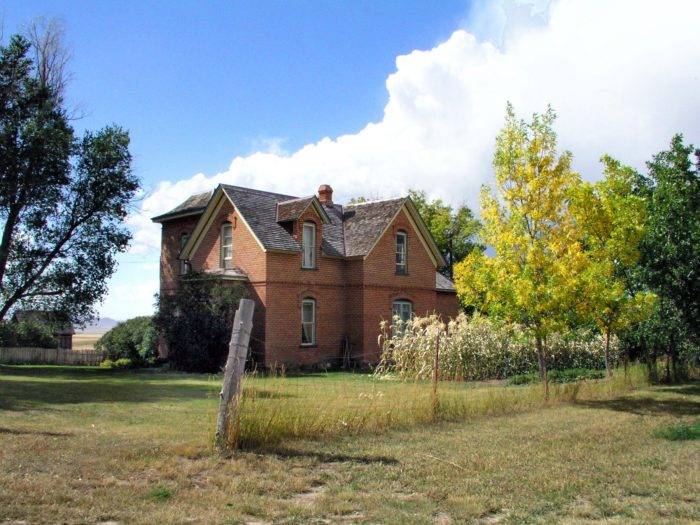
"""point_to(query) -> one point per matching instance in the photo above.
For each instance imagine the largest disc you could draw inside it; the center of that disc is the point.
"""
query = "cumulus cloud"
(622, 76)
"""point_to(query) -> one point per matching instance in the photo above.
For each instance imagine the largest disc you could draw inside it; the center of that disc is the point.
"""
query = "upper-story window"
(308, 245)
(226, 242)
(308, 322)
(184, 264)
(401, 249)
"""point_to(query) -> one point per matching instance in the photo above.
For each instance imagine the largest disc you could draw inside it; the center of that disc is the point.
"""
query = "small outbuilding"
(63, 331)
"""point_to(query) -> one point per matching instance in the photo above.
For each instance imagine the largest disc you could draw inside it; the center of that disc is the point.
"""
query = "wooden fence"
(50, 356)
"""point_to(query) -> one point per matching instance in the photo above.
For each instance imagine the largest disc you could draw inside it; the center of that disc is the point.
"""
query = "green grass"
(92, 445)
(682, 432)
(557, 376)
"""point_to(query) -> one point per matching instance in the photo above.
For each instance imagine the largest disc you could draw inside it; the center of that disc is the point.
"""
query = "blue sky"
(373, 98)
(197, 83)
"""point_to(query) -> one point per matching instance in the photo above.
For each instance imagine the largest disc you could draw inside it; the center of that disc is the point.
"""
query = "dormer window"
(308, 245)
(401, 249)
(226, 242)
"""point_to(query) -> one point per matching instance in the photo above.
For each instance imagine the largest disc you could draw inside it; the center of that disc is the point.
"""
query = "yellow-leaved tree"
(611, 218)
(534, 276)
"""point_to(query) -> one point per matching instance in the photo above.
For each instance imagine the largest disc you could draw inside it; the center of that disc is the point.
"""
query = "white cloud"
(622, 76)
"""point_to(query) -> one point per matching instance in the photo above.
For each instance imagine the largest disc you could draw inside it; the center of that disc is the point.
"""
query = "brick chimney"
(325, 194)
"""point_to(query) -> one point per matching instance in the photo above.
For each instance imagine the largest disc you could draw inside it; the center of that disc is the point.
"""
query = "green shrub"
(160, 494)
(195, 322)
(28, 334)
(135, 340)
(119, 364)
(682, 432)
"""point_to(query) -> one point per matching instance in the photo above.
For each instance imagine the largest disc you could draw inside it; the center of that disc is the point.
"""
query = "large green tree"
(63, 199)
(455, 231)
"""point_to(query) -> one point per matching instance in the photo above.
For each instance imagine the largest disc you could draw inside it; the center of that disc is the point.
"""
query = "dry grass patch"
(84, 445)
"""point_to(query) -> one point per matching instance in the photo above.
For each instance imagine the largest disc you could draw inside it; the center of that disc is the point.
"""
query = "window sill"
(308, 345)
(308, 268)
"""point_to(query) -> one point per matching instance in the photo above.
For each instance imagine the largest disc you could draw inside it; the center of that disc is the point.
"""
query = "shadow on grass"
(646, 406)
(35, 387)
(285, 453)
(20, 432)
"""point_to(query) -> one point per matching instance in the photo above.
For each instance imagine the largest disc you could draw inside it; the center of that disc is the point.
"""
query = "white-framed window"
(308, 245)
(401, 249)
(402, 309)
(308, 322)
(226, 242)
(184, 264)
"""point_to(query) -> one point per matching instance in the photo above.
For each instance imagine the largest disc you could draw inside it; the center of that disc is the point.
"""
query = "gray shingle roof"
(259, 210)
(193, 204)
(365, 222)
(352, 231)
(443, 284)
(290, 210)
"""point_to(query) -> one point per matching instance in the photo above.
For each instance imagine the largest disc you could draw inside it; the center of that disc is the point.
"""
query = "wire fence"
(49, 356)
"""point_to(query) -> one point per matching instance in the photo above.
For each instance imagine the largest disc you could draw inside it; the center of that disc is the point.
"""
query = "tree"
(671, 247)
(63, 200)
(533, 277)
(454, 232)
(611, 217)
(195, 322)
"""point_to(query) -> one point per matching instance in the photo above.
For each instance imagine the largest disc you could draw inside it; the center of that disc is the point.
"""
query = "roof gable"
(291, 210)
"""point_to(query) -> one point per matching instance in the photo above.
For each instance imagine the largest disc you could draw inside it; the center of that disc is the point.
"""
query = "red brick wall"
(170, 249)
(382, 286)
(447, 305)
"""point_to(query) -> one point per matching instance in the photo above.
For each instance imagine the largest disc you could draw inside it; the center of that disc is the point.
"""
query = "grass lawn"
(91, 445)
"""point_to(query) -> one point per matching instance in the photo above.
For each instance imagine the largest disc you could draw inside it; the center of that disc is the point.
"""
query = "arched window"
(226, 242)
(184, 264)
(308, 245)
(401, 250)
(402, 309)
(308, 322)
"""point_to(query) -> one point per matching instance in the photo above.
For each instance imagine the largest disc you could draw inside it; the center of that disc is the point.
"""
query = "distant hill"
(100, 327)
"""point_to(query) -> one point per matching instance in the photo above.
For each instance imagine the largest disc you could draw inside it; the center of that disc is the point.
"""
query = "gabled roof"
(349, 231)
(194, 204)
(292, 209)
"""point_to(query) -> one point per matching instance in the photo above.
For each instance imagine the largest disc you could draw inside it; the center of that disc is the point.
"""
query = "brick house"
(322, 275)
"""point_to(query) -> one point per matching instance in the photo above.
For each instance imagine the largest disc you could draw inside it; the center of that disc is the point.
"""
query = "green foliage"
(122, 363)
(135, 340)
(195, 322)
(160, 494)
(63, 199)
(682, 432)
(27, 334)
(569, 375)
(454, 231)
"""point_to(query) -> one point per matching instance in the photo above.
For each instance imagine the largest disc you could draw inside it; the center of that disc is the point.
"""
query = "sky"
(373, 98)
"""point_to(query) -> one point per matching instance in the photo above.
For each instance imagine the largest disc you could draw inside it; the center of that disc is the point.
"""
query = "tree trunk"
(233, 373)
(608, 366)
(542, 358)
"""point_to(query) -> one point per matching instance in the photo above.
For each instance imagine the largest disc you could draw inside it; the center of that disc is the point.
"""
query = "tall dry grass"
(275, 409)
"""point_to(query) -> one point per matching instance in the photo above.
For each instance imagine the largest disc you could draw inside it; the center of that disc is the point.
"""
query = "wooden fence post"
(233, 373)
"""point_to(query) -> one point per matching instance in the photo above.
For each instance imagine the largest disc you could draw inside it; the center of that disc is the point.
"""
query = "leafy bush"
(557, 376)
(28, 334)
(476, 348)
(135, 340)
(121, 363)
(196, 320)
